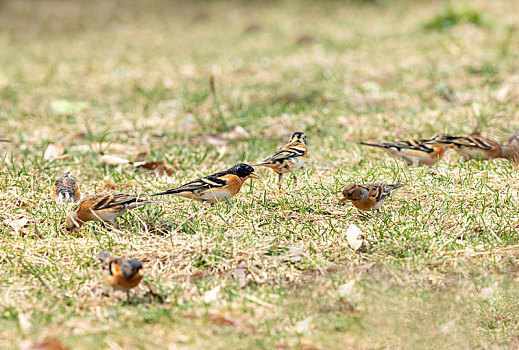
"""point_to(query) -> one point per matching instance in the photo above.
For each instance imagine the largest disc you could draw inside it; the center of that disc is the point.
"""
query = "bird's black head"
(298, 136)
(129, 267)
(243, 170)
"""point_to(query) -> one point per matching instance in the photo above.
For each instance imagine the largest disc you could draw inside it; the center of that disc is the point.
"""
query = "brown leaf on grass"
(42, 344)
(212, 295)
(355, 238)
(141, 151)
(53, 152)
(220, 320)
(216, 140)
(240, 274)
(109, 185)
(305, 39)
(252, 27)
(113, 160)
(159, 167)
(153, 295)
(223, 138)
(17, 224)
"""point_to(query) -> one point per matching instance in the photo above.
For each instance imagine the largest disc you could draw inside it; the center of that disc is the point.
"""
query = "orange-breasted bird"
(65, 189)
(474, 146)
(413, 152)
(121, 274)
(368, 196)
(103, 207)
(288, 158)
(215, 187)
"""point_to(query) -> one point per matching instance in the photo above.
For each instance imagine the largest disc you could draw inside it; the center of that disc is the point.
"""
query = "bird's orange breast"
(118, 281)
(366, 204)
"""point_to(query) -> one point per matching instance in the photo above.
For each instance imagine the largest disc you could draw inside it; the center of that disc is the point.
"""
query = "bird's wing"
(200, 185)
(291, 150)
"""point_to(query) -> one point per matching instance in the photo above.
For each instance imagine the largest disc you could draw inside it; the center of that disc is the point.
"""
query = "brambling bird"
(215, 187)
(65, 189)
(474, 146)
(103, 207)
(413, 152)
(369, 196)
(288, 158)
(119, 273)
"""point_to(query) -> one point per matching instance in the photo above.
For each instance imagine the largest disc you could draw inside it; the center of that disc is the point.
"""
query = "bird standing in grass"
(288, 158)
(368, 196)
(413, 152)
(119, 273)
(216, 187)
(103, 207)
(65, 190)
(474, 146)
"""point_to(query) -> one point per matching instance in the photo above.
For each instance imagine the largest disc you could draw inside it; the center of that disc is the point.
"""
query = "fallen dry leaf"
(346, 289)
(17, 224)
(355, 237)
(113, 160)
(212, 295)
(53, 152)
(159, 167)
(67, 107)
(304, 325)
(294, 255)
(240, 275)
(141, 151)
(238, 133)
(24, 321)
(42, 344)
(220, 320)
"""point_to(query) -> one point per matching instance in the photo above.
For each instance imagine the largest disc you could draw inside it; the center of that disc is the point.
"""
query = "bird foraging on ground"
(288, 158)
(103, 207)
(413, 152)
(474, 146)
(368, 196)
(215, 187)
(119, 273)
(65, 189)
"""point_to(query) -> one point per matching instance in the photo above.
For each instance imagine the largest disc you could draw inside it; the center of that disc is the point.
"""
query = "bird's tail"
(390, 188)
(378, 145)
(65, 197)
(172, 191)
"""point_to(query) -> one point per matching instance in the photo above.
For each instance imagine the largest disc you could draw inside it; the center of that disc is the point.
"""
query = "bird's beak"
(254, 176)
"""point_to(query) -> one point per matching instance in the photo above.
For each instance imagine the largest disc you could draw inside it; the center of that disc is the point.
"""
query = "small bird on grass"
(288, 158)
(215, 187)
(121, 274)
(368, 196)
(474, 146)
(65, 190)
(103, 207)
(413, 152)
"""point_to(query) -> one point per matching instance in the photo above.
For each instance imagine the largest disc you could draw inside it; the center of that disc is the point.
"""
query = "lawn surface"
(80, 80)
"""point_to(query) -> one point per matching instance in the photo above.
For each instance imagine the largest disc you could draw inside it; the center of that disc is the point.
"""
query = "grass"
(91, 78)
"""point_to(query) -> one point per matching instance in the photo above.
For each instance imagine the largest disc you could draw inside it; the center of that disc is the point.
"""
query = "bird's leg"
(128, 295)
(295, 178)
(280, 177)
